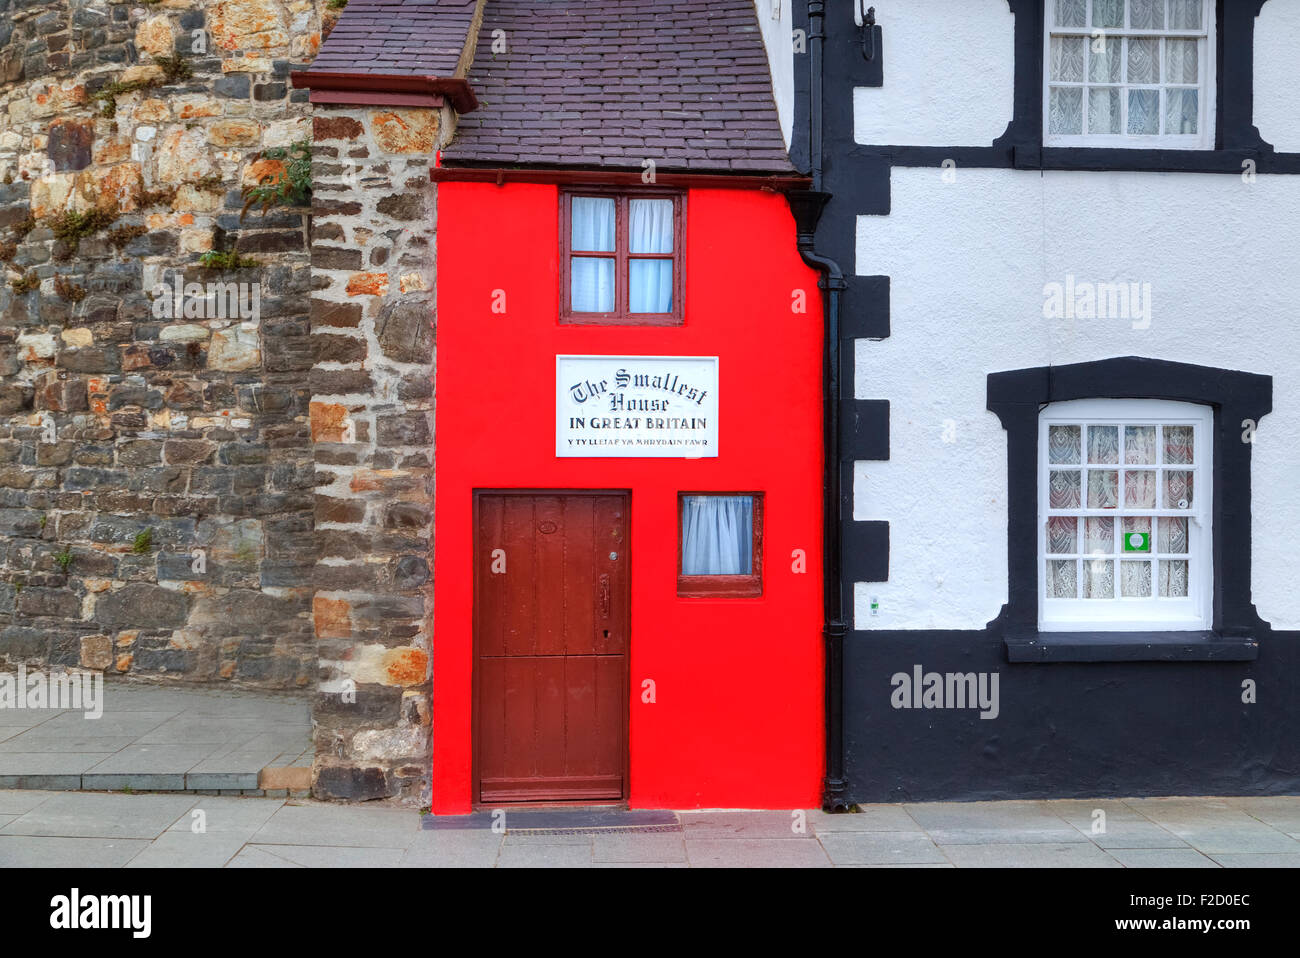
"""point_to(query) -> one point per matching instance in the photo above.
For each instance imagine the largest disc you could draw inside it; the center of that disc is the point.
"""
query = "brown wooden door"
(551, 630)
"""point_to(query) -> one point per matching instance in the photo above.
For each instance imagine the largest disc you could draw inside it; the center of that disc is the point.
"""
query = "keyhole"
(607, 633)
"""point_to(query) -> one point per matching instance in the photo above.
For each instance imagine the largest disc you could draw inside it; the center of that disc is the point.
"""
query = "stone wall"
(372, 425)
(156, 467)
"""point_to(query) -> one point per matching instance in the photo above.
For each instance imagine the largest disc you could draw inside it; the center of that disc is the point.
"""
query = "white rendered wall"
(779, 41)
(949, 73)
(1277, 65)
(968, 261)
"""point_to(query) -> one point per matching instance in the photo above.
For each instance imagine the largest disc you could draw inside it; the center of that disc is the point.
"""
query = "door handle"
(604, 596)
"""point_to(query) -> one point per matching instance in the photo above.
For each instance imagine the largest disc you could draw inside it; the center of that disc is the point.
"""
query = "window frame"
(723, 586)
(1132, 614)
(621, 316)
(1207, 85)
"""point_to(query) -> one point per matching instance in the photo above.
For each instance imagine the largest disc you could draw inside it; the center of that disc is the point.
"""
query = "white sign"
(633, 406)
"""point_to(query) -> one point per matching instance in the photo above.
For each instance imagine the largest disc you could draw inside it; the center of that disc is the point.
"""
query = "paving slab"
(189, 729)
(1030, 855)
(251, 857)
(638, 847)
(1282, 811)
(871, 818)
(1257, 860)
(27, 718)
(545, 856)
(226, 761)
(228, 815)
(109, 725)
(1215, 826)
(18, 801)
(1124, 826)
(51, 852)
(49, 763)
(1161, 858)
(453, 849)
(722, 824)
(326, 856)
(340, 825)
(99, 815)
(38, 742)
(188, 850)
(881, 848)
(156, 759)
(977, 823)
(755, 853)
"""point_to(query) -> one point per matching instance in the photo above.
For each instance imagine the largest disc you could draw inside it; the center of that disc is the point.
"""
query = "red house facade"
(627, 559)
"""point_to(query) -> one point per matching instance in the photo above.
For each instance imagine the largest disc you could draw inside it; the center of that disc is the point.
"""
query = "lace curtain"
(1108, 77)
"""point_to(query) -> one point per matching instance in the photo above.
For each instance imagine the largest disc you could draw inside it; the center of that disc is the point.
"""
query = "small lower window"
(1124, 509)
(721, 547)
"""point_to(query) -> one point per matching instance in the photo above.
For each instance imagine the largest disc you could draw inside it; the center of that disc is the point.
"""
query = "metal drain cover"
(595, 830)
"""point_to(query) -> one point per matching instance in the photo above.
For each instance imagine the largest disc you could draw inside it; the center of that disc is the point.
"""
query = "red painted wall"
(738, 720)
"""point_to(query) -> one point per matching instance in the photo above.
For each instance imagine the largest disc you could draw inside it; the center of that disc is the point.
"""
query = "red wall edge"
(738, 720)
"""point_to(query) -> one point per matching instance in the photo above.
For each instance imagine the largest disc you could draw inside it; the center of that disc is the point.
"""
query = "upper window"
(621, 255)
(721, 545)
(1124, 515)
(1129, 73)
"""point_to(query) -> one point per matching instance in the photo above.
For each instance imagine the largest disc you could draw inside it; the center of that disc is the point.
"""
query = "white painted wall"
(949, 68)
(1277, 32)
(968, 261)
(776, 22)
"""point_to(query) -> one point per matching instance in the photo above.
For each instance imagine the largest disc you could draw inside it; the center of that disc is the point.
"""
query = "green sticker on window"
(1137, 542)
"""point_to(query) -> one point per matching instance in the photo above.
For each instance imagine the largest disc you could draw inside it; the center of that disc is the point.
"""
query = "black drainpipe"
(807, 208)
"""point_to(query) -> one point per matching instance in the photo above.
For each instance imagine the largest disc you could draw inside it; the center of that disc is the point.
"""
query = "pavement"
(103, 829)
(152, 738)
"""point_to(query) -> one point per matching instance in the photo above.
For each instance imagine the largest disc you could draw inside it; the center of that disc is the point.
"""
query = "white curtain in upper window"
(717, 535)
(650, 282)
(591, 288)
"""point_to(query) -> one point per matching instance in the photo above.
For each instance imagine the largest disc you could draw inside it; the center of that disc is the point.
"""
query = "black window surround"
(1016, 397)
(1236, 138)
(1238, 145)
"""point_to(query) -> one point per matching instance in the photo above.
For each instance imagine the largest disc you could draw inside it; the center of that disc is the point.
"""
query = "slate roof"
(612, 83)
(398, 37)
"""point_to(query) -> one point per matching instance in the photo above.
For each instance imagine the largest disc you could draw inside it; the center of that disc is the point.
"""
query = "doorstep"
(558, 821)
(163, 739)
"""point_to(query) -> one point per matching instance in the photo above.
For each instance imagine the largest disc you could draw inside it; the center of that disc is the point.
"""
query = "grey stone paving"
(48, 828)
(156, 739)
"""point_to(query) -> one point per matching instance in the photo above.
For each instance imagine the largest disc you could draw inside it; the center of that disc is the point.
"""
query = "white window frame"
(1207, 60)
(1192, 613)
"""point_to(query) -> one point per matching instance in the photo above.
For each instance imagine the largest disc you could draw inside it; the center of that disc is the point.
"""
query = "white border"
(1193, 613)
(1207, 84)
